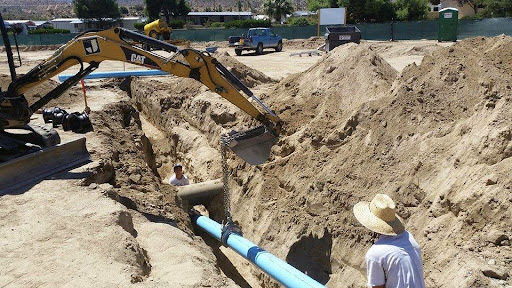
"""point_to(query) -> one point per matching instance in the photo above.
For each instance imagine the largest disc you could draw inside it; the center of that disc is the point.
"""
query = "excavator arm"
(89, 49)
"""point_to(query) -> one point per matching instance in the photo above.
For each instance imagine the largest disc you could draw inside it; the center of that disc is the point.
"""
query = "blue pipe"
(116, 74)
(281, 271)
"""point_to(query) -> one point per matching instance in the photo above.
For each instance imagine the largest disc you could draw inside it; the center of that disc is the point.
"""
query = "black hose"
(8, 50)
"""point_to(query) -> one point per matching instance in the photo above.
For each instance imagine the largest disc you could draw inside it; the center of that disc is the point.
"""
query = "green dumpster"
(448, 20)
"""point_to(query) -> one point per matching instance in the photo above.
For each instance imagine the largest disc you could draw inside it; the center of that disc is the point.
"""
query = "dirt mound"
(331, 89)
(127, 163)
(407, 48)
(204, 44)
(303, 44)
(34, 48)
(72, 95)
(249, 76)
(439, 143)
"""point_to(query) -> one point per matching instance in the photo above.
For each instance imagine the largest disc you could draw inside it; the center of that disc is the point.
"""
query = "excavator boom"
(91, 48)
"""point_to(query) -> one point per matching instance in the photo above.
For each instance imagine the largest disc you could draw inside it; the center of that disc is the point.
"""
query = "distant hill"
(49, 9)
(226, 4)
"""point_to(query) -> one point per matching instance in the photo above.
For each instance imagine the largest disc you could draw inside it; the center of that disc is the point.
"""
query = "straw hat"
(379, 215)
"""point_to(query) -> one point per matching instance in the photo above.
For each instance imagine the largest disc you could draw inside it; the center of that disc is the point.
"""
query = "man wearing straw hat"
(394, 260)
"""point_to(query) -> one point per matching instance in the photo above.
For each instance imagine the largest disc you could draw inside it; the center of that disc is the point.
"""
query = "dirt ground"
(428, 124)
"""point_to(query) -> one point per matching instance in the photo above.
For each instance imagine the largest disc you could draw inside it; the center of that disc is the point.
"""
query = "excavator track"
(15, 143)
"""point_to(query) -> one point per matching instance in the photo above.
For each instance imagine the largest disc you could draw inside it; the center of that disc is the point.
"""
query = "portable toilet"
(448, 21)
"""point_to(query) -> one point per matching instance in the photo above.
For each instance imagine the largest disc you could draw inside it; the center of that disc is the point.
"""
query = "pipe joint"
(227, 229)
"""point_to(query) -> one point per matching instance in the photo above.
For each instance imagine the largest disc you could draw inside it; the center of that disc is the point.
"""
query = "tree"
(378, 10)
(411, 9)
(239, 5)
(495, 8)
(277, 8)
(299, 21)
(333, 4)
(474, 4)
(123, 10)
(356, 10)
(314, 5)
(98, 10)
(153, 8)
(169, 8)
(183, 8)
(138, 8)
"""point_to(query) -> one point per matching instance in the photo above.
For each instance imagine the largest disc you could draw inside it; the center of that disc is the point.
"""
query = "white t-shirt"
(395, 261)
(178, 182)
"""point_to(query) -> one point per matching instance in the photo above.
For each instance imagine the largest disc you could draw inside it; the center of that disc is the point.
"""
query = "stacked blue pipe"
(116, 74)
(281, 271)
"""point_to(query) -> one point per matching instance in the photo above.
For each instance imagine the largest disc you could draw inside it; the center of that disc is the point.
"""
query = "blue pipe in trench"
(116, 74)
(281, 271)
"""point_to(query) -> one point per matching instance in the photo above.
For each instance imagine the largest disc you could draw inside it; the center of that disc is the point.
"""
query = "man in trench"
(178, 179)
(395, 259)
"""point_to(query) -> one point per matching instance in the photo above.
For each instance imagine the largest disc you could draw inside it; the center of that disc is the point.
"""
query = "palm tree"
(277, 8)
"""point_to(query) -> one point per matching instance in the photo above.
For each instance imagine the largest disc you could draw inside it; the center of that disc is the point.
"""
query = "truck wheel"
(238, 52)
(259, 49)
(279, 46)
(154, 34)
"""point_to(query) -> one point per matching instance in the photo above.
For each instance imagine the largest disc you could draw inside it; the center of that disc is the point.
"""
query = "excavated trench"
(192, 119)
(137, 156)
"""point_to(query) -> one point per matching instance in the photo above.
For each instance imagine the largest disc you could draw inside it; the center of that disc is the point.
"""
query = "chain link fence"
(413, 30)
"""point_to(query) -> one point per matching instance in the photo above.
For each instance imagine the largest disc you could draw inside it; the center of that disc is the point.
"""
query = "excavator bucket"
(254, 145)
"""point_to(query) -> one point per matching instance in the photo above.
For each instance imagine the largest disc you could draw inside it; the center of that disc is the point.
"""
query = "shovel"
(253, 145)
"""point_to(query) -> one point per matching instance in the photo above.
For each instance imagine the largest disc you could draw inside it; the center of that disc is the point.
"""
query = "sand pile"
(304, 44)
(325, 95)
(439, 143)
(26, 48)
(409, 48)
(250, 77)
(72, 95)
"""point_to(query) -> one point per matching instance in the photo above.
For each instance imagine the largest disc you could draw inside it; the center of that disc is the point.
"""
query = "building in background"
(463, 6)
(303, 13)
(43, 24)
(74, 25)
(128, 22)
(21, 26)
(77, 25)
(201, 18)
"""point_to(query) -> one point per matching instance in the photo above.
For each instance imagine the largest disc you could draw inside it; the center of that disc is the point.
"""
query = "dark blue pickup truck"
(258, 39)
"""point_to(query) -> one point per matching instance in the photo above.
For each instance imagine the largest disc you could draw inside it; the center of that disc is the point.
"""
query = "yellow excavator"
(159, 29)
(89, 49)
